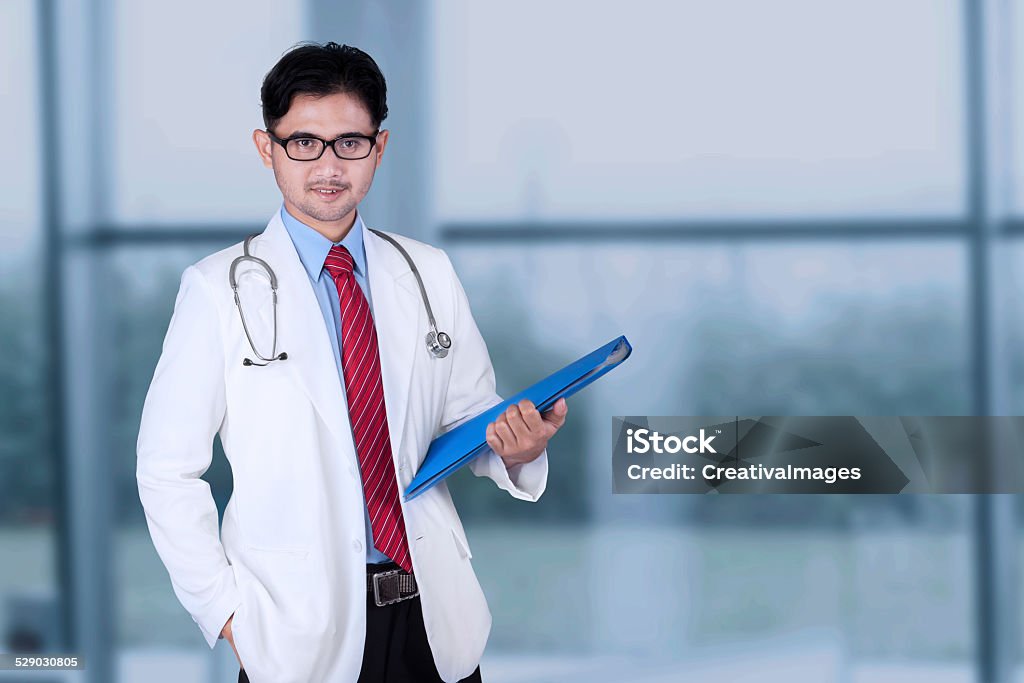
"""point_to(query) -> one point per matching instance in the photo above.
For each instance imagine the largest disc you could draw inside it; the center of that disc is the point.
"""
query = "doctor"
(320, 572)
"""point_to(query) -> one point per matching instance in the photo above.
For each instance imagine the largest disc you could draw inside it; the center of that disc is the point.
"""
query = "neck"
(335, 231)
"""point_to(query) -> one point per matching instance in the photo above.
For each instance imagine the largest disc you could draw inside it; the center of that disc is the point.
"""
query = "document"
(455, 448)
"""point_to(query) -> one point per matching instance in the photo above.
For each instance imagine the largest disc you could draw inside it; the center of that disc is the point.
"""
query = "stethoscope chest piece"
(438, 343)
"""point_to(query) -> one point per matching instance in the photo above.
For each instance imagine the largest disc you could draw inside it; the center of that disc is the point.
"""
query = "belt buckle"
(376, 588)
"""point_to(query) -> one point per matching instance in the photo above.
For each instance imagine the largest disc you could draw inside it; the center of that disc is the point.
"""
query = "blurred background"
(797, 207)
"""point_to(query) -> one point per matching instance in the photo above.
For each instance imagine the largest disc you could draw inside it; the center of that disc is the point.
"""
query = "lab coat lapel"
(396, 309)
(303, 335)
(301, 332)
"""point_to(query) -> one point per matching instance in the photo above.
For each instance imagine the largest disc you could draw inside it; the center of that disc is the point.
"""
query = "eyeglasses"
(309, 148)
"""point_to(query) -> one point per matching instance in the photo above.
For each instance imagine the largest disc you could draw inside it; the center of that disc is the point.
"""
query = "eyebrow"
(306, 134)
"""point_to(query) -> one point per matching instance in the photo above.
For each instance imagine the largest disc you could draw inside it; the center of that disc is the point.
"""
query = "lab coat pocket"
(277, 521)
(275, 492)
(462, 544)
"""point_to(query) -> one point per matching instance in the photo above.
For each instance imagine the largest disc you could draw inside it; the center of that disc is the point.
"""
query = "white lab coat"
(290, 559)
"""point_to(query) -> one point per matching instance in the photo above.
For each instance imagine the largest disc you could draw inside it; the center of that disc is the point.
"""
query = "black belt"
(390, 585)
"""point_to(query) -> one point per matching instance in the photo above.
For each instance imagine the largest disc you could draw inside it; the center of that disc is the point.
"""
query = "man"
(326, 397)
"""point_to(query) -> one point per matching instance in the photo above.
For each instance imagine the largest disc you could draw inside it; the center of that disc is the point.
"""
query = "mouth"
(327, 193)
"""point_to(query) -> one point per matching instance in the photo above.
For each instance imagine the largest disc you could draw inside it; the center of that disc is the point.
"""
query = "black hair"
(320, 70)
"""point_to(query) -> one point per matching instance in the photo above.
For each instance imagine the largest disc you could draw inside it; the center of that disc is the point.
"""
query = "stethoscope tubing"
(438, 343)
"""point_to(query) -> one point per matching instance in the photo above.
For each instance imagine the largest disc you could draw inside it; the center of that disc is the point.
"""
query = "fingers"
(504, 430)
(526, 423)
(229, 636)
(521, 425)
(516, 421)
(226, 629)
(531, 416)
(495, 441)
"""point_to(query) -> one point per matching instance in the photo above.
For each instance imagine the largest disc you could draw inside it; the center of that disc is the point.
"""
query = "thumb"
(555, 416)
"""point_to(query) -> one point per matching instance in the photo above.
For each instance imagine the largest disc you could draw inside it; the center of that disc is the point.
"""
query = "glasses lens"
(352, 148)
(304, 149)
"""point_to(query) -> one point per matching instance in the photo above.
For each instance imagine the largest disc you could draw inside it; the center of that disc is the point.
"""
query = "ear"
(264, 146)
(382, 141)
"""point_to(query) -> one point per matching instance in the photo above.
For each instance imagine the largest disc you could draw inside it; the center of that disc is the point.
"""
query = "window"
(694, 109)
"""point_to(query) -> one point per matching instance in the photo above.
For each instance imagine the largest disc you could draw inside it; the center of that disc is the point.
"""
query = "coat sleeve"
(183, 410)
(471, 390)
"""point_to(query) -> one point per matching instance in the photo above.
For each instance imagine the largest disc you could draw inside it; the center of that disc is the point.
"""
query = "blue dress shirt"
(313, 249)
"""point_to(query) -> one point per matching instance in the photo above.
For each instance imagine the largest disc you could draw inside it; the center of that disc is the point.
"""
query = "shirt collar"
(314, 247)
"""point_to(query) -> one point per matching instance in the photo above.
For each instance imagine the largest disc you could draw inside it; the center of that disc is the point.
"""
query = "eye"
(304, 143)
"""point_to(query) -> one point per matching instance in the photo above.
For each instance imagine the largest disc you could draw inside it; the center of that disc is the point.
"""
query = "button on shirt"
(312, 248)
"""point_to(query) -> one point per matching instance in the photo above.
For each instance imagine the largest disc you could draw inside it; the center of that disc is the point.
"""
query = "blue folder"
(455, 448)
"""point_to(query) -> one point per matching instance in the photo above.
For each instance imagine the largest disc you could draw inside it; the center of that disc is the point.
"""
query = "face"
(306, 185)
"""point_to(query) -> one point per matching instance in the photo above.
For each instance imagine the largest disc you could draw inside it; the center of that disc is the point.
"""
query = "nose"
(329, 165)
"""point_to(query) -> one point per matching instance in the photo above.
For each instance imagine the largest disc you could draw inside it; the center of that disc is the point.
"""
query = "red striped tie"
(363, 385)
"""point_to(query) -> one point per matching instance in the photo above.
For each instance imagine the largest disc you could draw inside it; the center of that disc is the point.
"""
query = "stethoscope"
(438, 343)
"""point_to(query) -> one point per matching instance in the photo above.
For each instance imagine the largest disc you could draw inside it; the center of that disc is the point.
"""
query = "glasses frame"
(324, 144)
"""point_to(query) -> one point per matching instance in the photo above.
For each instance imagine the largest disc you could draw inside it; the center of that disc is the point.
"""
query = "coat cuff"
(212, 619)
(525, 481)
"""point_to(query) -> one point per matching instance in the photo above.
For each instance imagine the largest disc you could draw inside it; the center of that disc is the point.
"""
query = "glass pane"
(636, 601)
(30, 607)
(20, 191)
(647, 586)
(144, 282)
(1009, 257)
(1011, 152)
(835, 328)
(183, 118)
(697, 109)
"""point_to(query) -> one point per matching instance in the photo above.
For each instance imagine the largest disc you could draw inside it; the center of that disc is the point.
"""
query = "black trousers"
(396, 649)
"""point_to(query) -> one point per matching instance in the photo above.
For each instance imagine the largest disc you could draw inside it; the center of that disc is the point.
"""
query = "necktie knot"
(339, 261)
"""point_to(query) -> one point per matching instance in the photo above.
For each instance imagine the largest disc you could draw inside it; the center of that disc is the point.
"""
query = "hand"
(521, 433)
(230, 637)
